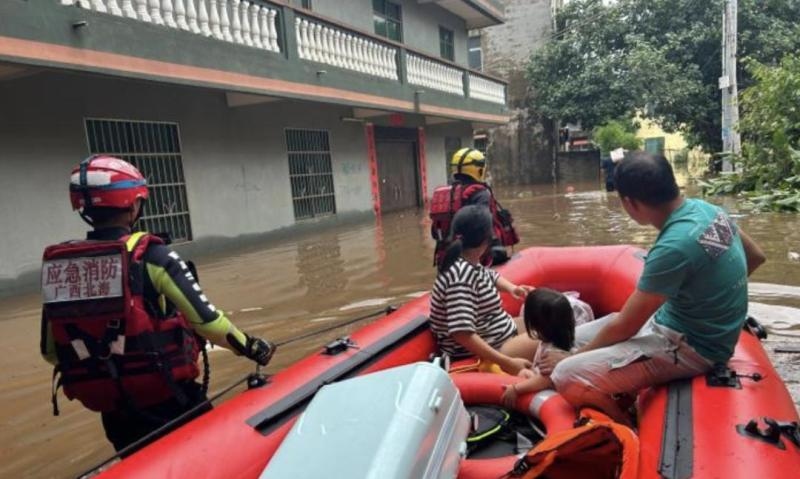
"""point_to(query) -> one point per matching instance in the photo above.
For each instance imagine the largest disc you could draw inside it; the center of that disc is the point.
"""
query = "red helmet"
(106, 181)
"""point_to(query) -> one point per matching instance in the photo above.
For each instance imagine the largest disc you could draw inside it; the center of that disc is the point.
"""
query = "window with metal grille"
(155, 149)
(310, 173)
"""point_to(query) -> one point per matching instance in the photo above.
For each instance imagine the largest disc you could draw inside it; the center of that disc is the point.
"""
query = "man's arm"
(172, 278)
(637, 310)
(754, 254)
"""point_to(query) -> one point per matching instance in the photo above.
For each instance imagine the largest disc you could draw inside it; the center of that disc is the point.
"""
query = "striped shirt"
(465, 299)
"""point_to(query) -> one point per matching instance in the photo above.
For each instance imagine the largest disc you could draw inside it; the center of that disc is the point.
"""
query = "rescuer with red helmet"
(124, 318)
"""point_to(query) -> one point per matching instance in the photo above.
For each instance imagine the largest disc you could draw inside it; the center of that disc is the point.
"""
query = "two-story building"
(246, 116)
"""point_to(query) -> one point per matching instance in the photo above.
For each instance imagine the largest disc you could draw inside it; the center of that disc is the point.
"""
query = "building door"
(397, 175)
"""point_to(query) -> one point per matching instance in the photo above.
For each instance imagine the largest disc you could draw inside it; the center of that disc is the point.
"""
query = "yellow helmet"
(470, 162)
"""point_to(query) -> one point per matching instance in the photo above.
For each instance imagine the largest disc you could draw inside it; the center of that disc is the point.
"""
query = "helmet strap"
(461, 160)
(138, 215)
(86, 218)
(84, 182)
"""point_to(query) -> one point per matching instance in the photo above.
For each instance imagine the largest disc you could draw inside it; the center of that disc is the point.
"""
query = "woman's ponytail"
(471, 228)
(451, 254)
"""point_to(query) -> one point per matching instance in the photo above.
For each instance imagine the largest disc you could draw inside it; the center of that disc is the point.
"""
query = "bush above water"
(768, 170)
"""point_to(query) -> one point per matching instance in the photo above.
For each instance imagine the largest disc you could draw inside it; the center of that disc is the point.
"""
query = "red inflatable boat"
(687, 429)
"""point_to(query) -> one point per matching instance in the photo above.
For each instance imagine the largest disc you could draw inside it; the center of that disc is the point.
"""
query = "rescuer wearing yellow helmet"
(468, 167)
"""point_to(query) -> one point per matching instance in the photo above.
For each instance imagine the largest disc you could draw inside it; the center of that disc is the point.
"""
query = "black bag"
(497, 432)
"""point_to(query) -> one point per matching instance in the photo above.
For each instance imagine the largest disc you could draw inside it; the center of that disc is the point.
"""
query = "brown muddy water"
(285, 288)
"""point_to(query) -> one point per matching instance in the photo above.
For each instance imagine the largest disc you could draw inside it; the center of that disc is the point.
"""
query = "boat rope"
(253, 380)
(387, 310)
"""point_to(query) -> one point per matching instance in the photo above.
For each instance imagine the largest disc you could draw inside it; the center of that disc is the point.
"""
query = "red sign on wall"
(397, 119)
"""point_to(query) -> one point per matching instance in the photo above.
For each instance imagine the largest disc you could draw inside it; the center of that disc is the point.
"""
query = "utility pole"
(731, 141)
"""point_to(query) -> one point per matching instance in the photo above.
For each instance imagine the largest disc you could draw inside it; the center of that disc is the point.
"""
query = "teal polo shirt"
(698, 263)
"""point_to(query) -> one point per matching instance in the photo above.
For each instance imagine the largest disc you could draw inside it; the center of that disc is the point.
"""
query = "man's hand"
(259, 350)
(550, 359)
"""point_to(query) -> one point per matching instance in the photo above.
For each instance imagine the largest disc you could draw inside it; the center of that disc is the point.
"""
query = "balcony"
(255, 47)
(476, 13)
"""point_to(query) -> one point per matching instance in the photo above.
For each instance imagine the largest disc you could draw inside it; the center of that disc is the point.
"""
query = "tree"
(615, 134)
(769, 169)
(661, 57)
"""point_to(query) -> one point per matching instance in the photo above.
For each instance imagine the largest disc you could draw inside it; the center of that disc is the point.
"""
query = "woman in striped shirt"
(467, 315)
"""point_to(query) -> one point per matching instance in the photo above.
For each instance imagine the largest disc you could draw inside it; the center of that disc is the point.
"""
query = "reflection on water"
(284, 288)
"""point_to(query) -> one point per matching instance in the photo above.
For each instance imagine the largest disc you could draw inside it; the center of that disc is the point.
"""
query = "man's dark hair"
(647, 178)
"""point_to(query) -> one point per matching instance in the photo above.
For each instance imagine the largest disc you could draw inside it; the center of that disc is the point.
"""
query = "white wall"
(435, 150)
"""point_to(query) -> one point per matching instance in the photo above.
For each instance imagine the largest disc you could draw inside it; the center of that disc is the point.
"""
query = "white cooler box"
(406, 422)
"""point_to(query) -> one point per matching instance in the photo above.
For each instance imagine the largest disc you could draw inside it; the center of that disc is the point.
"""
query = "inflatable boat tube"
(486, 388)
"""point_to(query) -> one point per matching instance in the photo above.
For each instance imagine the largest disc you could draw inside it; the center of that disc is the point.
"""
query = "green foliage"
(659, 56)
(769, 167)
(615, 134)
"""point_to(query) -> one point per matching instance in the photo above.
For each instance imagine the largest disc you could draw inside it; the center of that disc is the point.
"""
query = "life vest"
(448, 199)
(114, 349)
(596, 447)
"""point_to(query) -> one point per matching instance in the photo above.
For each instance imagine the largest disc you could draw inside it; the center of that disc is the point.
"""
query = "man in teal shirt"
(689, 305)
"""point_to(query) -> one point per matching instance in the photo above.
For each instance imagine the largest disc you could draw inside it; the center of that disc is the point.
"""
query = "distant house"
(672, 145)
(245, 116)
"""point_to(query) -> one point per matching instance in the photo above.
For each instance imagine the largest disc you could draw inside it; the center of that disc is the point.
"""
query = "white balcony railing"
(236, 21)
(326, 44)
(255, 23)
(432, 74)
(487, 90)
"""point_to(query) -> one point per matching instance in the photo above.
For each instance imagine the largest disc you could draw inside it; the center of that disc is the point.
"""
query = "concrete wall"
(522, 151)
(506, 48)
(234, 159)
(579, 167)
(420, 23)
(435, 150)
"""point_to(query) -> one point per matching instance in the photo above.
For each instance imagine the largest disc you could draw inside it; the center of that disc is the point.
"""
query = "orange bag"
(599, 448)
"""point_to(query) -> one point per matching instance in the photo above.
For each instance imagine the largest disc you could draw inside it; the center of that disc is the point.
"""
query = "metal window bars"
(310, 173)
(155, 149)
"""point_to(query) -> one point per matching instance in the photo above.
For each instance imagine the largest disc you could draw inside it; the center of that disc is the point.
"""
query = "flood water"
(285, 288)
